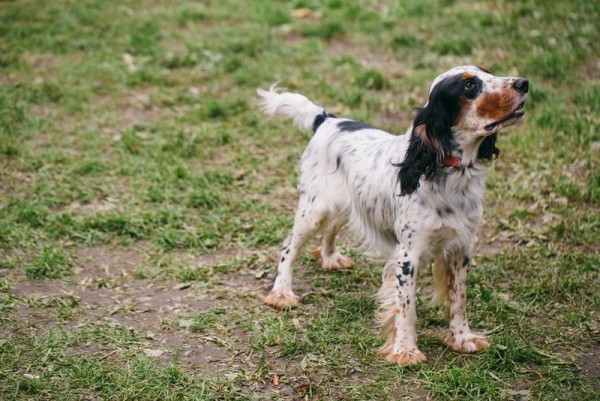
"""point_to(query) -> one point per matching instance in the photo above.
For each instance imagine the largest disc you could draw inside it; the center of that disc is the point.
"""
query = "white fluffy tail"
(294, 105)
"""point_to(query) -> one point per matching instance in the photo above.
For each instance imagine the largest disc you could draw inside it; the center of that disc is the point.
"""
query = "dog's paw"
(406, 358)
(466, 343)
(335, 261)
(281, 300)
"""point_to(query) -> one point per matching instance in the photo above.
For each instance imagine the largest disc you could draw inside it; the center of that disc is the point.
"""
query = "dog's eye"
(469, 85)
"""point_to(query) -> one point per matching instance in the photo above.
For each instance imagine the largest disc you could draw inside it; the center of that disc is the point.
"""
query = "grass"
(143, 200)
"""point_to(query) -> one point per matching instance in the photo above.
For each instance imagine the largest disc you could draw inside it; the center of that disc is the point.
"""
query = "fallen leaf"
(260, 274)
(302, 388)
(153, 352)
(185, 323)
(182, 286)
(302, 13)
(129, 62)
(239, 175)
(523, 395)
(115, 309)
(275, 379)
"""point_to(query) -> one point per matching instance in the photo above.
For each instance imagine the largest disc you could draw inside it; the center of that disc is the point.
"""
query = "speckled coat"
(410, 198)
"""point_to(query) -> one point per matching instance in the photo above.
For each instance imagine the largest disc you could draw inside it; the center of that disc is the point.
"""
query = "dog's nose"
(522, 85)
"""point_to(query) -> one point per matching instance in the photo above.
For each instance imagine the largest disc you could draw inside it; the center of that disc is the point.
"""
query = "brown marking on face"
(496, 105)
(462, 110)
(467, 75)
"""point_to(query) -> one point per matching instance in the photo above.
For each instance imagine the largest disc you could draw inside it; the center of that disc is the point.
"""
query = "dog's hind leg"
(326, 254)
(309, 219)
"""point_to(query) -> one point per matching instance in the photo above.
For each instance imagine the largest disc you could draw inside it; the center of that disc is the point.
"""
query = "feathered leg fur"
(397, 312)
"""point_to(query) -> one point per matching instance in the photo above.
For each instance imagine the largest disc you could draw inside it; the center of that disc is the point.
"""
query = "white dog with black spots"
(412, 198)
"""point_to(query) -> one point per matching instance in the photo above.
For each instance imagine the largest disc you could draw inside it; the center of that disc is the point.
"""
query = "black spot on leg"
(282, 259)
(449, 210)
(312, 199)
(407, 300)
(439, 212)
(405, 254)
(401, 282)
(407, 268)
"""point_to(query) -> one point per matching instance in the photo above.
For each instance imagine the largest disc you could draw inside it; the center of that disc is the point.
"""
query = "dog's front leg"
(397, 314)
(460, 337)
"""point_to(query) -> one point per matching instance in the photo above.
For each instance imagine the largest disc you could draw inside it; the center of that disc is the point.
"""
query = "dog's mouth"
(511, 119)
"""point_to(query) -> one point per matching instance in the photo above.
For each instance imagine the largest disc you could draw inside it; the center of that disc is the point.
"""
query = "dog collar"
(453, 161)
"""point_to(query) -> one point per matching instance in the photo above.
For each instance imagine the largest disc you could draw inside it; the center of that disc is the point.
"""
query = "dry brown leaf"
(304, 13)
(153, 352)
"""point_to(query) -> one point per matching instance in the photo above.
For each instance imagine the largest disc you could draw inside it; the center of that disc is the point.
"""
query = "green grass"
(144, 200)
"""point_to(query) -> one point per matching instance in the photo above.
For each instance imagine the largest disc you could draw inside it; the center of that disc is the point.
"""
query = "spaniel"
(412, 198)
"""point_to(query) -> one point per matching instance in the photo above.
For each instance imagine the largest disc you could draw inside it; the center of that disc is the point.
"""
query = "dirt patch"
(103, 290)
(368, 58)
(136, 107)
(133, 108)
(590, 364)
(39, 62)
(102, 261)
(591, 71)
(489, 243)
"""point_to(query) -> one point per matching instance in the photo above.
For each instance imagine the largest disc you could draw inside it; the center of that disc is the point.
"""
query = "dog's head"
(466, 109)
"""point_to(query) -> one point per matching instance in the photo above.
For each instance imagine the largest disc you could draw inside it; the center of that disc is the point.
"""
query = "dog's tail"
(307, 115)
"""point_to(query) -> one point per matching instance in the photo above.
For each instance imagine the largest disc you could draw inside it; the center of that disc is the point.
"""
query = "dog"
(412, 198)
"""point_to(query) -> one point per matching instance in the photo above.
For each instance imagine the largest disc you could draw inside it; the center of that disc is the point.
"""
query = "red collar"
(453, 161)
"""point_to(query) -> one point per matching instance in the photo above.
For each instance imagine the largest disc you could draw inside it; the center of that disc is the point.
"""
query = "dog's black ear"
(429, 141)
(488, 149)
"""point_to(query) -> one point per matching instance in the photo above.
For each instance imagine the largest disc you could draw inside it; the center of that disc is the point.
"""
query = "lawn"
(144, 200)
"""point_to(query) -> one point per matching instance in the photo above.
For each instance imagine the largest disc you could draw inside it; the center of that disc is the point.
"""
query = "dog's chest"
(451, 214)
